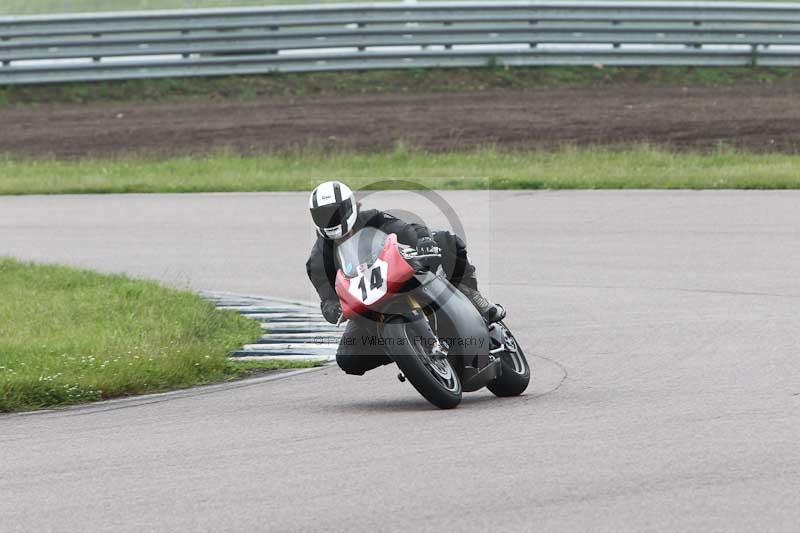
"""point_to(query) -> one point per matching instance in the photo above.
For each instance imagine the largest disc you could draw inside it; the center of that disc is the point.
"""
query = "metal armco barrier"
(217, 42)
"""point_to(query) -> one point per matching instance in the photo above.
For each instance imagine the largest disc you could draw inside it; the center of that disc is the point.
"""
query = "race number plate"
(370, 285)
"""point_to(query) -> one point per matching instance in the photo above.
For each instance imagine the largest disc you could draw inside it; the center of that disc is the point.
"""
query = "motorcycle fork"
(416, 308)
(438, 350)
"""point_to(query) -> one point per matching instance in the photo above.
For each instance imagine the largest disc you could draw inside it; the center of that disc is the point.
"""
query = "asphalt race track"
(663, 328)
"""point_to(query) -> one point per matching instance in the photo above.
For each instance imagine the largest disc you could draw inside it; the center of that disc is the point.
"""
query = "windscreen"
(360, 250)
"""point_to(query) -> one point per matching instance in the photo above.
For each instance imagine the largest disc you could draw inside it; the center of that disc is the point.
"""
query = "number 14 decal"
(375, 281)
(373, 289)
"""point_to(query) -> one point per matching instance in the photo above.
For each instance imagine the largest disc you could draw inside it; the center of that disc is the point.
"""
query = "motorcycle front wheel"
(434, 378)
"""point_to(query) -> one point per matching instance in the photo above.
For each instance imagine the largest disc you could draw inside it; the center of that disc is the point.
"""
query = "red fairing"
(399, 270)
(398, 273)
(351, 306)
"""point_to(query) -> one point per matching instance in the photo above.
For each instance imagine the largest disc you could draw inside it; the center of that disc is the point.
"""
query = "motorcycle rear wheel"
(516, 373)
(434, 379)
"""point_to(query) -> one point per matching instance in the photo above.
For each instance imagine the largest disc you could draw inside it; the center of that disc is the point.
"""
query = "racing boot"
(489, 311)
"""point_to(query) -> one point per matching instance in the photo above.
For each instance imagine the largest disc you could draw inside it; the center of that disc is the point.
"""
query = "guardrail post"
(533, 23)
(185, 32)
(4, 39)
(96, 59)
(360, 25)
(754, 55)
(697, 46)
(448, 46)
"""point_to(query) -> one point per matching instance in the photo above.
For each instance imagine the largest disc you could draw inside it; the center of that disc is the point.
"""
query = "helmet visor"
(328, 216)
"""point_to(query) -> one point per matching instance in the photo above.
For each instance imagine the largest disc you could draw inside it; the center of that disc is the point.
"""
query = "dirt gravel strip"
(748, 116)
(292, 330)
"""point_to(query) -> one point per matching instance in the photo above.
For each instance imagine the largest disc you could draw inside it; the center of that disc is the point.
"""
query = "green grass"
(70, 336)
(29, 7)
(387, 82)
(640, 168)
(38, 7)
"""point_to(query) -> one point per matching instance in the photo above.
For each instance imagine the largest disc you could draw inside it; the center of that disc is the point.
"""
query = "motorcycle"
(423, 323)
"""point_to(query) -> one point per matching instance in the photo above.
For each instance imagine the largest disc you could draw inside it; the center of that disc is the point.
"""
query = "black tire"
(516, 373)
(441, 388)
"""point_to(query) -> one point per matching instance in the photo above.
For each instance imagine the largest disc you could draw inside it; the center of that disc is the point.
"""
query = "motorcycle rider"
(336, 215)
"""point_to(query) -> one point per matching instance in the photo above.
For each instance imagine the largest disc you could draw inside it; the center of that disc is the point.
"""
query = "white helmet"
(333, 208)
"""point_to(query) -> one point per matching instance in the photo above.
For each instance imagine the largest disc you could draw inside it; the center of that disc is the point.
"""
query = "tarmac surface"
(663, 329)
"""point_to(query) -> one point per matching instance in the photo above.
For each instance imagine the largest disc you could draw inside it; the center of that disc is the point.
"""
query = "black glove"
(426, 246)
(331, 310)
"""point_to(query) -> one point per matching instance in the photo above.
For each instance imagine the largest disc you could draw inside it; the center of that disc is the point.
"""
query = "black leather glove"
(331, 310)
(426, 246)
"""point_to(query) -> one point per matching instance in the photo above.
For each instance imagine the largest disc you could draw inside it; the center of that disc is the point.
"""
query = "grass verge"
(44, 7)
(19, 7)
(387, 81)
(70, 336)
(639, 168)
